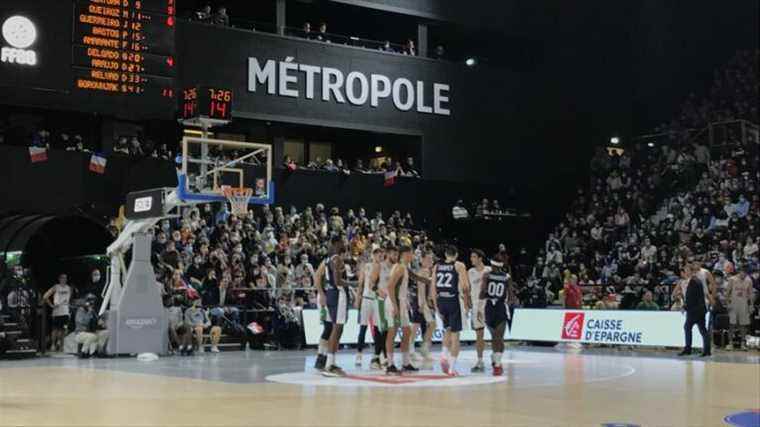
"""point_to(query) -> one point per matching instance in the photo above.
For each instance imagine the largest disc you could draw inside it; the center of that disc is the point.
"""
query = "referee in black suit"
(696, 309)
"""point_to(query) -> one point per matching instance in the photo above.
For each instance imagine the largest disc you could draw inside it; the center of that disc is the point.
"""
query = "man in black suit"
(696, 309)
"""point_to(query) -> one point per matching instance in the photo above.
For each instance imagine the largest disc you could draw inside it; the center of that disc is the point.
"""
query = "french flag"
(98, 163)
(390, 178)
(38, 154)
(255, 328)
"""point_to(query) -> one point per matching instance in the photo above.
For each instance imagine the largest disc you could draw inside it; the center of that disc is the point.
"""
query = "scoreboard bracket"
(203, 122)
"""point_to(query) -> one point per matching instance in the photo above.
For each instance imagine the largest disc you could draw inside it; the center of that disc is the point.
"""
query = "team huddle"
(392, 295)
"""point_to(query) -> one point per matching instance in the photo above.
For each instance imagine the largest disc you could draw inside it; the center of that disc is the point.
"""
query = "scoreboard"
(125, 49)
(207, 102)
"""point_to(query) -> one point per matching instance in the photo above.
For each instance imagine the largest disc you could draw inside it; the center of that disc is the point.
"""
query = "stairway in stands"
(17, 343)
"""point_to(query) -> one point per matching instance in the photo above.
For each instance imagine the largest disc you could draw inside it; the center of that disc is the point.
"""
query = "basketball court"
(541, 387)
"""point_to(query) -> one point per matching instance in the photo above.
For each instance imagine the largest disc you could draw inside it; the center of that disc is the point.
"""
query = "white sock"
(322, 349)
(330, 359)
(497, 359)
(407, 358)
(446, 352)
(480, 359)
(452, 362)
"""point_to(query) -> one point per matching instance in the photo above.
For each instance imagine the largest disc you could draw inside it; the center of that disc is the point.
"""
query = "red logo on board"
(572, 327)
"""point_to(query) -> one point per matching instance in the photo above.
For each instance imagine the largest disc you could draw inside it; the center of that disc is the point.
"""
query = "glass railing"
(336, 39)
(339, 39)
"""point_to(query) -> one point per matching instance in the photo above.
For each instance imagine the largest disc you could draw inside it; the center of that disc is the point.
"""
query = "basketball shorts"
(402, 319)
(495, 315)
(417, 315)
(738, 313)
(337, 306)
(382, 321)
(59, 322)
(368, 314)
(451, 314)
(477, 316)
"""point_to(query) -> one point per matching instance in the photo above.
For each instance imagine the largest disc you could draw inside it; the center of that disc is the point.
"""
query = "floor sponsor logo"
(364, 379)
(572, 327)
(744, 419)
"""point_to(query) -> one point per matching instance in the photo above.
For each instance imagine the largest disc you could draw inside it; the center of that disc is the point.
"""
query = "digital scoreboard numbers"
(125, 47)
(208, 102)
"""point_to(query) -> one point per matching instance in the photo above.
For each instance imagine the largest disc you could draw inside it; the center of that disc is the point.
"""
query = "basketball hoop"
(238, 198)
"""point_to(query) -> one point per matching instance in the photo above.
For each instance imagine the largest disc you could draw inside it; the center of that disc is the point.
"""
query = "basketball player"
(384, 274)
(493, 293)
(450, 282)
(398, 311)
(475, 275)
(332, 271)
(708, 282)
(367, 302)
(418, 282)
(58, 298)
(427, 303)
(739, 305)
(321, 362)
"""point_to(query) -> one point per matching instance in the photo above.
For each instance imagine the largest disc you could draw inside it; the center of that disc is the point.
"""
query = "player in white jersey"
(366, 302)
(477, 313)
(398, 311)
(58, 297)
(427, 303)
(739, 292)
(384, 274)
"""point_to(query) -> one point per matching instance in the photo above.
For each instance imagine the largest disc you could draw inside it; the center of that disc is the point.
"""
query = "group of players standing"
(393, 295)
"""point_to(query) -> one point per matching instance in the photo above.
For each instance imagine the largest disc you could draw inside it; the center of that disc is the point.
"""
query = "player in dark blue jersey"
(451, 291)
(331, 285)
(495, 290)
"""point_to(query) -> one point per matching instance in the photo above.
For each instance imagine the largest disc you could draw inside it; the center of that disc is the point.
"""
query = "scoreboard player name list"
(110, 44)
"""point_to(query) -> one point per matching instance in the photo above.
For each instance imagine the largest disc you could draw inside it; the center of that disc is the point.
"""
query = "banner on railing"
(632, 328)
(615, 327)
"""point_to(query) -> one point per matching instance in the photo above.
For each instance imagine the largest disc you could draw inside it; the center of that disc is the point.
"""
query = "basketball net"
(238, 198)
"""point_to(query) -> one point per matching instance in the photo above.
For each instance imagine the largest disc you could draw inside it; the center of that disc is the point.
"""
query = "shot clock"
(209, 102)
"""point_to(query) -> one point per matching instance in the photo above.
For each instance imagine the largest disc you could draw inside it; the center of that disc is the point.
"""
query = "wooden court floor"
(541, 388)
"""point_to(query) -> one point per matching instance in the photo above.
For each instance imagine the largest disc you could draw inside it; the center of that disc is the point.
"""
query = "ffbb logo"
(572, 327)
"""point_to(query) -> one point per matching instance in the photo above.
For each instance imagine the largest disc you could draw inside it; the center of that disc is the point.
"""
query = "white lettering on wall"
(330, 85)
(258, 75)
(310, 71)
(439, 99)
(407, 104)
(377, 92)
(351, 87)
(283, 78)
(421, 107)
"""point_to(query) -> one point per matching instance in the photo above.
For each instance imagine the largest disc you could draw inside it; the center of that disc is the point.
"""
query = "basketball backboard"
(206, 165)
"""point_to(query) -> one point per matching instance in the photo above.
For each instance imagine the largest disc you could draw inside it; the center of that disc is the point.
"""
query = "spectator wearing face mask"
(86, 324)
(197, 320)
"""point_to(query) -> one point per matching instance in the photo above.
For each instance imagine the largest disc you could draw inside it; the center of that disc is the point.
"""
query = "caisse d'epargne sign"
(616, 327)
